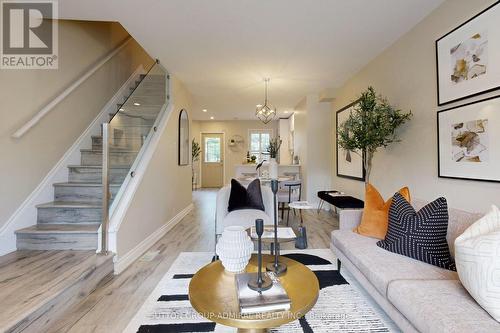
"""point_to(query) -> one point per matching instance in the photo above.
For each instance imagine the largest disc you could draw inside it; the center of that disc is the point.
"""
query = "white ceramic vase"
(234, 249)
(273, 168)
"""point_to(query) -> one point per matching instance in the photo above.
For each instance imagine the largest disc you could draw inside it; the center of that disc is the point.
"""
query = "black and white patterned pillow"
(419, 235)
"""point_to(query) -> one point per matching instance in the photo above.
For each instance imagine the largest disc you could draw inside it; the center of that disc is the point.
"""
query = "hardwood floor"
(111, 306)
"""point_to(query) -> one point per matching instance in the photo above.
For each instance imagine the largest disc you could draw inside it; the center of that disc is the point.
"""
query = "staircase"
(71, 221)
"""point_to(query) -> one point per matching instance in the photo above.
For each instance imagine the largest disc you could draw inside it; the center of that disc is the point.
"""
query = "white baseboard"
(26, 214)
(122, 262)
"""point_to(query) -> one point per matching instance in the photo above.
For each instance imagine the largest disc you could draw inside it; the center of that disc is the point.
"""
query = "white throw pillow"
(477, 256)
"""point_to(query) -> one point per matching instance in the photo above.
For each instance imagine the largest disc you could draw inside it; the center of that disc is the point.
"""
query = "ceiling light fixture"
(204, 110)
(265, 112)
(285, 111)
(212, 117)
(137, 104)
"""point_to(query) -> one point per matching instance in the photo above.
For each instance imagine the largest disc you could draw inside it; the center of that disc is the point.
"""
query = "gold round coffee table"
(212, 292)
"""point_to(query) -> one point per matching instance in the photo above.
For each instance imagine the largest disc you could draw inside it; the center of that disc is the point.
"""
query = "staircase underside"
(38, 287)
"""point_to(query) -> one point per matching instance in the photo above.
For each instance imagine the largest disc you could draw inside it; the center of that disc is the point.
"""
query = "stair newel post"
(105, 189)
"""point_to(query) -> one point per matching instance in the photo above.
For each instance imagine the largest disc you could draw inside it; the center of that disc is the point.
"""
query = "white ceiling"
(222, 49)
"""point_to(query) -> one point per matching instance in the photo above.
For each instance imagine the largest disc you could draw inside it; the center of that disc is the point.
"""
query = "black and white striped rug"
(341, 307)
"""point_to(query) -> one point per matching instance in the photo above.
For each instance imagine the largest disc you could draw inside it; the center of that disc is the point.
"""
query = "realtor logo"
(28, 35)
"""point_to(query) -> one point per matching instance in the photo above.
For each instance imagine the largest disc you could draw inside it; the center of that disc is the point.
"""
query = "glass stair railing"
(127, 134)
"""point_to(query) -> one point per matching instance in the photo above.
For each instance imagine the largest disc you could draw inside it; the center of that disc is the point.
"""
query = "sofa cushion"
(245, 218)
(439, 306)
(375, 218)
(380, 266)
(245, 198)
(477, 254)
(419, 235)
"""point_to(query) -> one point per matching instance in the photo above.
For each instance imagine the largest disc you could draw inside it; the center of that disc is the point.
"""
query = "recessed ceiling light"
(286, 111)
(212, 117)
(137, 104)
(121, 109)
(204, 110)
(258, 105)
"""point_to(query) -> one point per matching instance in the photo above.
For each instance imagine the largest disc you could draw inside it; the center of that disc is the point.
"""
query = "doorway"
(212, 160)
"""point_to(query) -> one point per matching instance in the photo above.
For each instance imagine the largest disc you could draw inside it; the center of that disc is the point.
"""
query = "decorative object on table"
(419, 235)
(301, 240)
(375, 220)
(257, 282)
(183, 137)
(277, 267)
(267, 111)
(273, 150)
(285, 235)
(477, 254)
(468, 141)
(363, 127)
(234, 249)
(245, 198)
(346, 306)
(195, 157)
(249, 160)
(272, 299)
(468, 58)
(257, 168)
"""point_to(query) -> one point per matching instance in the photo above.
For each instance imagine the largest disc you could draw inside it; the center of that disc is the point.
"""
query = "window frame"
(262, 154)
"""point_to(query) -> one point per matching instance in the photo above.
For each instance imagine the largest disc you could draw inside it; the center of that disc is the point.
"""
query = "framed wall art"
(468, 57)
(349, 163)
(469, 141)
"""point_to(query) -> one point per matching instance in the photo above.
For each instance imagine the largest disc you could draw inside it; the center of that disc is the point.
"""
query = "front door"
(212, 160)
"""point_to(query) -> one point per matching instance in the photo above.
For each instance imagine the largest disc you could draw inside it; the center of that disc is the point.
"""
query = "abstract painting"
(469, 141)
(468, 58)
(349, 163)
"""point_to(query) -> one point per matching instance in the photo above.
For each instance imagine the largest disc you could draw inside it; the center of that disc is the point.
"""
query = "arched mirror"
(183, 138)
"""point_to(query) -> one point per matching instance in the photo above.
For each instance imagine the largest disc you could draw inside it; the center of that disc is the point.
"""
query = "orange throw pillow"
(375, 218)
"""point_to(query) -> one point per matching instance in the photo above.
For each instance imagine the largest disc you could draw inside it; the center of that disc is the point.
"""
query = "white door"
(212, 160)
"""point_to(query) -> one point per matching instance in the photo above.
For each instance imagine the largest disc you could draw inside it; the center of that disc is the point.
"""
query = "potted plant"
(273, 150)
(372, 125)
(195, 155)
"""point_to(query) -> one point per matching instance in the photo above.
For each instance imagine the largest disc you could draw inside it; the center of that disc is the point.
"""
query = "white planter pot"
(234, 249)
(273, 168)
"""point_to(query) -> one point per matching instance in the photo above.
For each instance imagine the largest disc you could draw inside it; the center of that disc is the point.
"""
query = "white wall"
(26, 161)
(406, 74)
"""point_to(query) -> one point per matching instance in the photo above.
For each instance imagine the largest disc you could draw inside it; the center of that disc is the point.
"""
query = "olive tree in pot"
(371, 125)
(195, 156)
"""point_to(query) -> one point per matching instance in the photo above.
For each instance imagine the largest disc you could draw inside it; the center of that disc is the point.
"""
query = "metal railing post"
(105, 189)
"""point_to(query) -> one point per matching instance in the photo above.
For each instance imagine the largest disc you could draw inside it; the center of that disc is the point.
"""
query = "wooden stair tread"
(60, 229)
(83, 184)
(34, 282)
(69, 204)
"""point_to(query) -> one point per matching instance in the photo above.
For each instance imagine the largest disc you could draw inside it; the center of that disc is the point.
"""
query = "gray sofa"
(419, 297)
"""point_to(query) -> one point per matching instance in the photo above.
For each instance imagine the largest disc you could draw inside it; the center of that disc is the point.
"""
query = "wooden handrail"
(47, 108)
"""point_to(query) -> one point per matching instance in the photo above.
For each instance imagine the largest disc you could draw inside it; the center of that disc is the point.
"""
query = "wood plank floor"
(35, 286)
(111, 306)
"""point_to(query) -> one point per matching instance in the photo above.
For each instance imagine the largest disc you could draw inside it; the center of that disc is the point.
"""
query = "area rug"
(341, 306)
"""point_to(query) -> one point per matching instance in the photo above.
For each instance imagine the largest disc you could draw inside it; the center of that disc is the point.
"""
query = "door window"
(212, 150)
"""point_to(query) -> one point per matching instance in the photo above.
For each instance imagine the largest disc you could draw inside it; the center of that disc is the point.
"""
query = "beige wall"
(165, 189)
(406, 74)
(312, 143)
(230, 128)
(26, 161)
